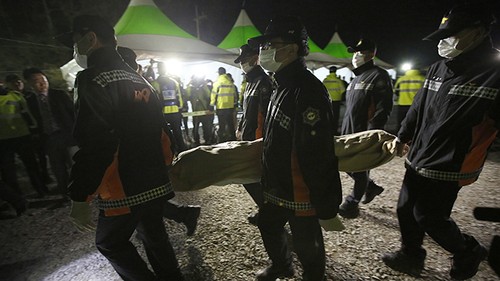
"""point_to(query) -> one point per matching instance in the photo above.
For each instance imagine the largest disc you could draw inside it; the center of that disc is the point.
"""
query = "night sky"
(397, 26)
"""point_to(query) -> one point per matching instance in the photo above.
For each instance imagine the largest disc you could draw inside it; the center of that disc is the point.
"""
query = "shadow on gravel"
(196, 269)
(11, 271)
(385, 221)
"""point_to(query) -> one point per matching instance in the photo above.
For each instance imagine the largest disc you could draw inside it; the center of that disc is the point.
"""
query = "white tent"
(242, 29)
(151, 34)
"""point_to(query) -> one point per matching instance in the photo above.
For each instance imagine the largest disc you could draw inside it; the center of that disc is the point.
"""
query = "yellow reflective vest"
(170, 91)
(224, 93)
(407, 86)
(15, 118)
(335, 86)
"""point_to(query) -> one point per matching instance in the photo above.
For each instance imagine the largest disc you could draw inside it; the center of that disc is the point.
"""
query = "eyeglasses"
(270, 45)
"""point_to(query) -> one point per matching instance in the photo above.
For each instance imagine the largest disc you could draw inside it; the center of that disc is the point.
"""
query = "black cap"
(332, 68)
(128, 56)
(461, 17)
(363, 45)
(245, 52)
(290, 28)
(221, 70)
(85, 23)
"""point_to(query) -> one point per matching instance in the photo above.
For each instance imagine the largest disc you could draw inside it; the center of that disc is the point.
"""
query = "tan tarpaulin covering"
(238, 162)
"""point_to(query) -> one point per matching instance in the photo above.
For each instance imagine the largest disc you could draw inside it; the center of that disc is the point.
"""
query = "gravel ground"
(43, 245)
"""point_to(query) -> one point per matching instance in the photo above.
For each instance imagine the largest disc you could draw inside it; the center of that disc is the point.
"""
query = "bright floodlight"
(173, 66)
(406, 66)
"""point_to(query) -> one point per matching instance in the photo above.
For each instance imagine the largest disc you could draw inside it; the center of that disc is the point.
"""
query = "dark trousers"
(112, 240)
(42, 158)
(424, 206)
(11, 196)
(307, 240)
(255, 191)
(174, 121)
(226, 125)
(23, 147)
(336, 115)
(402, 111)
(207, 123)
(175, 211)
(361, 182)
(57, 148)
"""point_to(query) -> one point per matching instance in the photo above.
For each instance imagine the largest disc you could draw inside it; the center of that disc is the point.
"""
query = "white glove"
(333, 224)
(238, 135)
(80, 216)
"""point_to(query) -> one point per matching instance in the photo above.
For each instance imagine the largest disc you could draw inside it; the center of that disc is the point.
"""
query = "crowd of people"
(124, 129)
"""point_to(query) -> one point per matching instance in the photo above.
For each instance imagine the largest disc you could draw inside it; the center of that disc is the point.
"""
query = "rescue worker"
(123, 158)
(258, 89)
(368, 106)
(186, 214)
(300, 178)
(172, 102)
(223, 97)
(451, 124)
(405, 89)
(199, 96)
(336, 89)
(16, 125)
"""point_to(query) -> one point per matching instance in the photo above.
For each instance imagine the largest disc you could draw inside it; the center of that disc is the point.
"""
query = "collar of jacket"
(255, 73)
(288, 73)
(363, 68)
(103, 56)
(483, 52)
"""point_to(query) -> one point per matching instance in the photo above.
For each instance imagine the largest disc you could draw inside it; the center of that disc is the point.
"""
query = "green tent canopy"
(151, 34)
(242, 29)
(336, 48)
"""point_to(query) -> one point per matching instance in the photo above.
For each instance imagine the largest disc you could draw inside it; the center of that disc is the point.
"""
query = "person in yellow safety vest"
(170, 91)
(336, 89)
(16, 124)
(223, 97)
(199, 96)
(405, 89)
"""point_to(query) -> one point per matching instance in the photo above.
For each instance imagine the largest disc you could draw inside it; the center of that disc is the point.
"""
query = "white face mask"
(358, 59)
(448, 47)
(268, 61)
(246, 67)
(81, 60)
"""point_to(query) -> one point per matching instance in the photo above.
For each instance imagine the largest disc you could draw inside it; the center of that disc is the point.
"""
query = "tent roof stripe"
(242, 29)
(151, 34)
(144, 17)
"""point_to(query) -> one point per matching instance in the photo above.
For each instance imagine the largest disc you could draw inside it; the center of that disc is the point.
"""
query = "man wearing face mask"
(255, 102)
(368, 106)
(123, 158)
(300, 177)
(450, 126)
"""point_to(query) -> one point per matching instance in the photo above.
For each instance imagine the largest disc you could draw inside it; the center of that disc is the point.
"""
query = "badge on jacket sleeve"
(311, 116)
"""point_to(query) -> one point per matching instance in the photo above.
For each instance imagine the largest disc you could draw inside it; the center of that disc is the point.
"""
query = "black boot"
(192, 213)
(466, 263)
(402, 261)
(372, 191)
